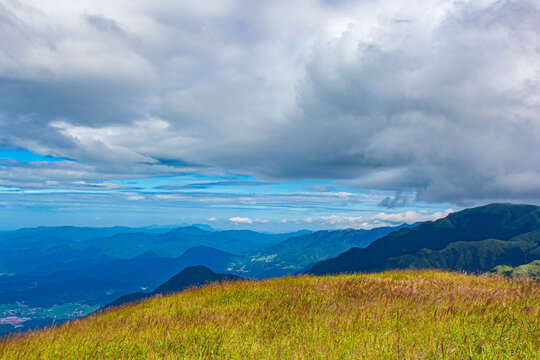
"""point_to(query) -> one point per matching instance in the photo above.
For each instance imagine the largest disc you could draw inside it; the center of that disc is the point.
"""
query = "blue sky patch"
(22, 155)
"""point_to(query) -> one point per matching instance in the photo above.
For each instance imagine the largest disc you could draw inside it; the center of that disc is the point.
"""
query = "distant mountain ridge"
(176, 241)
(476, 239)
(189, 277)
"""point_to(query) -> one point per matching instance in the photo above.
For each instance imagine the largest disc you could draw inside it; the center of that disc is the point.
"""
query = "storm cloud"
(437, 98)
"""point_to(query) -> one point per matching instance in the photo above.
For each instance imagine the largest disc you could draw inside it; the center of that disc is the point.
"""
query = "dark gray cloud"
(438, 99)
(320, 187)
(82, 68)
(398, 200)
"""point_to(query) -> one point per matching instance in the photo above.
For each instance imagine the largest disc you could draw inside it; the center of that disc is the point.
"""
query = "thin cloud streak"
(371, 221)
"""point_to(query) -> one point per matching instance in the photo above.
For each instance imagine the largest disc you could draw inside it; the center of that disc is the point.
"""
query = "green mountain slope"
(469, 256)
(475, 235)
(530, 270)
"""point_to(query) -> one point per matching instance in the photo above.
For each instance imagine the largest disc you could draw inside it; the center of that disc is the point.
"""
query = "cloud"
(440, 99)
(434, 105)
(241, 220)
(135, 197)
(372, 221)
(74, 175)
(319, 187)
(210, 184)
(211, 218)
(245, 220)
(399, 200)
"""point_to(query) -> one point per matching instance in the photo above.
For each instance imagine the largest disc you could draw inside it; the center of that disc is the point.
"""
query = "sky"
(267, 115)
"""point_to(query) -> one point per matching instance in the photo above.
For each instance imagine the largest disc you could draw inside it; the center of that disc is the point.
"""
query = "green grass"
(392, 315)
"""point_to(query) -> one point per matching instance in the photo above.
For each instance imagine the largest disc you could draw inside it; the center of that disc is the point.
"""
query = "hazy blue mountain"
(176, 241)
(204, 227)
(101, 281)
(45, 250)
(189, 277)
(63, 265)
(246, 242)
(26, 261)
(472, 239)
(44, 236)
(216, 260)
(49, 294)
(33, 250)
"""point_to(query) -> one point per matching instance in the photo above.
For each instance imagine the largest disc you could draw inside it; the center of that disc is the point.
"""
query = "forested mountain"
(476, 239)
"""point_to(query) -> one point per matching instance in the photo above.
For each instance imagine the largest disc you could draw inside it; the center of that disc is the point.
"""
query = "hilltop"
(189, 277)
(391, 315)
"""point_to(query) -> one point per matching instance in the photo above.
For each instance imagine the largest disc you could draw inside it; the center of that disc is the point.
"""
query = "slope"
(393, 315)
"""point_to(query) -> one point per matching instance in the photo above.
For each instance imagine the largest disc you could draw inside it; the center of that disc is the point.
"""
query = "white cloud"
(372, 221)
(245, 220)
(211, 218)
(135, 197)
(241, 220)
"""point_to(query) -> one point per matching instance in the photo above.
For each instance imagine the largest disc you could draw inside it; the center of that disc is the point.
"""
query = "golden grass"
(392, 315)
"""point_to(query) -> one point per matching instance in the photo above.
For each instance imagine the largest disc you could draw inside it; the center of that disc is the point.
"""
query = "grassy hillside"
(393, 315)
(531, 270)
